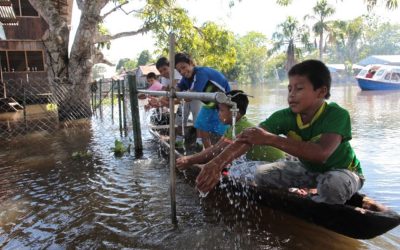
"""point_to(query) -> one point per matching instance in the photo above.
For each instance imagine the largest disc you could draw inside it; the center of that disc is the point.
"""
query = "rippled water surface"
(50, 200)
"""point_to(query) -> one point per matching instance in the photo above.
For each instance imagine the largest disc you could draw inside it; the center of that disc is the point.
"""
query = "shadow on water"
(49, 199)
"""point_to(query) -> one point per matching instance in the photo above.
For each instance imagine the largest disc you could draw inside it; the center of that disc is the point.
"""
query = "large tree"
(321, 10)
(252, 55)
(71, 73)
(291, 34)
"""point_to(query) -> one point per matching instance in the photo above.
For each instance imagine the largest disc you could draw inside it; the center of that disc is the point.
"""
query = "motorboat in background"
(379, 77)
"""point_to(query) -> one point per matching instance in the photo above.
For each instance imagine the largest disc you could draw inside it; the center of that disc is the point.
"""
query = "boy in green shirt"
(256, 153)
(316, 132)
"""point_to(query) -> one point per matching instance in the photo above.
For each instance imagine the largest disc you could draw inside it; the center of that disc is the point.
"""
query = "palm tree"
(321, 10)
(290, 33)
(346, 36)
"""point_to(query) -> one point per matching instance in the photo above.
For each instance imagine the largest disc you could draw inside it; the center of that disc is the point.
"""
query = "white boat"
(379, 77)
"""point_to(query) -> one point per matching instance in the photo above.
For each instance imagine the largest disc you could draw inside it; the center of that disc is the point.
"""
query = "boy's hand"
(208, 177)
(183, 162)
(153, 102)
(254, 136)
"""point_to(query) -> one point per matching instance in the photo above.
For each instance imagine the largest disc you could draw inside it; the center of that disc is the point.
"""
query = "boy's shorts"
(208, 121)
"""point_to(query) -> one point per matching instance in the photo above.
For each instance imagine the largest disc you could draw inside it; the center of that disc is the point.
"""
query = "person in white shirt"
(183, 112)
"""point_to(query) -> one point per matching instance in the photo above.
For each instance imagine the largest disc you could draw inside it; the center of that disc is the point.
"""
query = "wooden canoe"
(359, 218)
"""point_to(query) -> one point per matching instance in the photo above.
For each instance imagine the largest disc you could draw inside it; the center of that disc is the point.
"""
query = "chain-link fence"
(34, 105)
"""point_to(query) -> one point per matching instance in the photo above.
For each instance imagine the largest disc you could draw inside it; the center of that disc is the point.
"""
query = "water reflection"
(49, 200)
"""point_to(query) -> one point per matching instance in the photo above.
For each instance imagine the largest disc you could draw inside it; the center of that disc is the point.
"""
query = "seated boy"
(317, 132)
(257, 153)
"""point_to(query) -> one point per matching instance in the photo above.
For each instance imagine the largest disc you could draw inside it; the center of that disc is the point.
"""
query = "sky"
(245, 16)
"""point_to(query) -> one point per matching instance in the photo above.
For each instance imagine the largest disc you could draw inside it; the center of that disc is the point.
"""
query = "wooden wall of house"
(32, 28)
(21, 45)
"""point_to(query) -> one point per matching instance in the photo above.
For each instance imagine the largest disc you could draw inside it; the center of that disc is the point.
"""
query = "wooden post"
(24, 101)
(124, 107)
(137, 133)
(112, 100)
(119, 106)
(95, 98)
(100, 98)
(172, 128)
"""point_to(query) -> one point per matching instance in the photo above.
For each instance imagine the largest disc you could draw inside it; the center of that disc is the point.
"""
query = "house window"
(16, 60)
(15, 5)
(13, 61)
(35, 60)
(3, 61)
(23, 8)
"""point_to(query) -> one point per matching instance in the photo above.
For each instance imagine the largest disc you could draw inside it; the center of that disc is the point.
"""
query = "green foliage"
(51, 107)
(81, 154)
(291, 35)
(214, 47)
(144, 58)
(103, 31)
(121, 63)
(252, 55)
(209, 45)
(130, 64)
(344, 39)
(119, 148)
(275, 67)
(384, 40)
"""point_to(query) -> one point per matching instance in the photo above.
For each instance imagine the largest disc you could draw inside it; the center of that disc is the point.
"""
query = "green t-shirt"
(256, 153)
(330, 118)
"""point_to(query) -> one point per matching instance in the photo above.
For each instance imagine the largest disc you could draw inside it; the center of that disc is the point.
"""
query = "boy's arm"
(211, 172)
(317, 152)
(203, 156)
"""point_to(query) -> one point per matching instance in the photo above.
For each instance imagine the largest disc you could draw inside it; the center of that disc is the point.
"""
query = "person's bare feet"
(370, 204)
(303, 191)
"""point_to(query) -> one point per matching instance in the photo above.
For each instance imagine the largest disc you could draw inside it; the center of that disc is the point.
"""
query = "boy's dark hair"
(241, 100)
(151, 75)
(183, 57)
(162, 61)
(316, 71)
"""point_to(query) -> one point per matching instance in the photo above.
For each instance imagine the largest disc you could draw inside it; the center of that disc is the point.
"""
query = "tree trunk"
(321, 41)
(290, 56)
(70, 77)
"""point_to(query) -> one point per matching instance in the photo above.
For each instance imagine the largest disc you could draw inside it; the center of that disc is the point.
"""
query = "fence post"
(100, 98)
(112, 100)
(124, 106)
(172, 156)
(95, 98)
(119, 105)
(24, 104)
(137, 133)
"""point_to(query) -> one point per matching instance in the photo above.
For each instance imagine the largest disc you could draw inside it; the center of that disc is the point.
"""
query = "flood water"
(49, 199)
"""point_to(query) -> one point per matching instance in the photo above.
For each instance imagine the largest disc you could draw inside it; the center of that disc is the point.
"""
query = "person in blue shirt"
(202, 79)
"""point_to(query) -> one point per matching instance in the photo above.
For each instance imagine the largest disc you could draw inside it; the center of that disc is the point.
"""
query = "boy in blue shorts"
(257, 153)
(316, 132)
(202, 79)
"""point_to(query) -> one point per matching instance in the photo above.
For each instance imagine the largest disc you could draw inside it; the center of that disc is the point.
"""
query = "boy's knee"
(336, 188)
(267, 176)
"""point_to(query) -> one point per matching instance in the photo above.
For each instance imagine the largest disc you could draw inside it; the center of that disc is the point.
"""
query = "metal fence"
(29, 105)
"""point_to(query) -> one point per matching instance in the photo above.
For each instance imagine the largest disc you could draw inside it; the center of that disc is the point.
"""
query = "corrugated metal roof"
(149, 68)
(380, 59)
(7, 15)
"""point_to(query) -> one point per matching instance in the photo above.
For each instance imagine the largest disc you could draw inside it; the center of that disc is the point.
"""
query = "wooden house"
(141, 73)
(22, 53)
